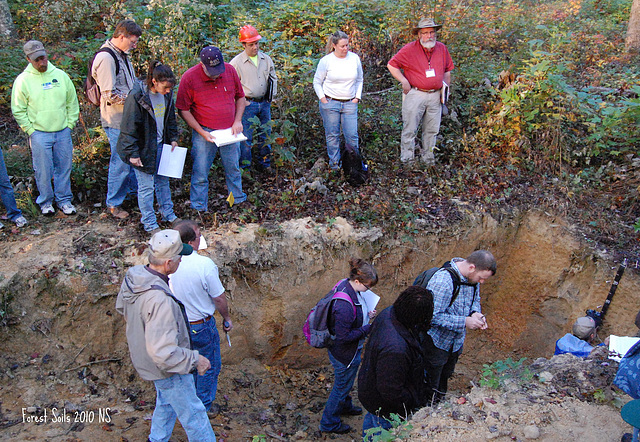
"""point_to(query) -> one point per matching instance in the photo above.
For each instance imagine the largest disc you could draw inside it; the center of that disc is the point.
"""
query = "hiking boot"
(409, 165)
(428, 158)
(67, 208)
(243, 205)
(175, 221)
(353, 411)
(118, 213)
(47, 209)
(342, 429)
(21, 221)
(265, 170)
(214, 410)
(154, 231)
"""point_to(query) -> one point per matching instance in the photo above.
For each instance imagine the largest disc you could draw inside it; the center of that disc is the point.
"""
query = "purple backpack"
(316, 327)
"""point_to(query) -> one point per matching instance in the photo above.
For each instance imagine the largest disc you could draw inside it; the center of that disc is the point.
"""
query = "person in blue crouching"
(578, 342)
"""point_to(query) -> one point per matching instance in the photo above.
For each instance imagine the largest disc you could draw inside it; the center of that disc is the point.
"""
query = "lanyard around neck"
(427, 55)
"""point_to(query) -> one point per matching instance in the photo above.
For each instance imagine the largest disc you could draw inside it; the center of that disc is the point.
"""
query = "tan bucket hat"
(426, 23)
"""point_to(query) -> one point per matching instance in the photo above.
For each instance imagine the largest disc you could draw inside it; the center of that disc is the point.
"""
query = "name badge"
(46, 86)
(430, 73)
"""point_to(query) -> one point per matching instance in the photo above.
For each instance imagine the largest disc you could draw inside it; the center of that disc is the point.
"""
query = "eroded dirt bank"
(64, 345)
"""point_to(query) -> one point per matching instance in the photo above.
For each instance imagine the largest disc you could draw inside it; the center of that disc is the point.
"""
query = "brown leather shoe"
(118, 212)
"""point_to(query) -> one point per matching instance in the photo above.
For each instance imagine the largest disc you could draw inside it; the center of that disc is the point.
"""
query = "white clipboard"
(172, 163)
(224, 137)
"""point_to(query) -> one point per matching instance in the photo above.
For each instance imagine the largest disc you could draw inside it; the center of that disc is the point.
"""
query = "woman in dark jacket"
(350, 325)
(148, 122)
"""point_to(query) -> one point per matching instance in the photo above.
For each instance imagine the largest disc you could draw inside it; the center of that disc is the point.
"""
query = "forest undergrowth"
(544, 113)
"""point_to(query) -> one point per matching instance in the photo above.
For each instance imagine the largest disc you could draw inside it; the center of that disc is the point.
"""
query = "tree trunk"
(6, 24)
(633, 30)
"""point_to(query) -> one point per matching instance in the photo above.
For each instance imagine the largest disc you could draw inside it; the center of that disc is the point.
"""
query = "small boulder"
(545, 377)
(531, 432)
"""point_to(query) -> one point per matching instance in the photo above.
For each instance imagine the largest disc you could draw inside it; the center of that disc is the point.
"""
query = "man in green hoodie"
(45, 105)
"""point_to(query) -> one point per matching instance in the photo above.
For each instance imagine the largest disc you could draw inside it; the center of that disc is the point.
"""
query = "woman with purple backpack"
(349, 323)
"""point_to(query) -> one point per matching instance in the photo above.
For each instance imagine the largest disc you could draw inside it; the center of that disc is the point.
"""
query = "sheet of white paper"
(172, 163)
(371, 299)
(620, 345)
(224, 137)
(203, 243)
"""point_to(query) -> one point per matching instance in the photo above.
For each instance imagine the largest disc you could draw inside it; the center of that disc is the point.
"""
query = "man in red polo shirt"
(421, 67)
(210, 97)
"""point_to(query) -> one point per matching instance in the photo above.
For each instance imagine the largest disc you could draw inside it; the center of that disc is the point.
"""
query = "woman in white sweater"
(338, 85)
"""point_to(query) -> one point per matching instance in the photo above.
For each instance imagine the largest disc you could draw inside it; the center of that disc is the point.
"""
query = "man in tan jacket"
(259, 82)
(159, 342)
(113, 72)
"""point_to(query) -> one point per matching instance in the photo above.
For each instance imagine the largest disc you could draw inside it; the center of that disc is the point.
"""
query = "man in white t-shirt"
(197, 285)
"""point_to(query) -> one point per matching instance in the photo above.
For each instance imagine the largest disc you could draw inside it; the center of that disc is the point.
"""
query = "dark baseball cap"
(212, 59)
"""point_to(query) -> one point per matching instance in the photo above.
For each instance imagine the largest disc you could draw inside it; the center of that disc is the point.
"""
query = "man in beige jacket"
(159, 342)
(259, 82)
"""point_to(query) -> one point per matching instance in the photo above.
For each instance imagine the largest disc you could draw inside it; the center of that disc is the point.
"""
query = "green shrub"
(538, 85)
(53, 21)
(400, 429)
(496, 374)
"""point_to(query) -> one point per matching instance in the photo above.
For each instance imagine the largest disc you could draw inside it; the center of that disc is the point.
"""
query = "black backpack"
(355, 170)
(91, 88)
(423, 279)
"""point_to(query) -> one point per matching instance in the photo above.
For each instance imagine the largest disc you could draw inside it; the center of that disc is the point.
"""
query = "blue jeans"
(206, 339)
(373, 421)
(339, 399)
(261, 110)
(176, 397)
(163, 191)
(121, 179)
(52, 153)
(339, 117)
(203, 153)
(6, 192)
(145, 200)
(146, 185)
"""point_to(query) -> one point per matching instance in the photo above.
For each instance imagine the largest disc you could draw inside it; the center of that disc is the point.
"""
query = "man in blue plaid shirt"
(443, 343)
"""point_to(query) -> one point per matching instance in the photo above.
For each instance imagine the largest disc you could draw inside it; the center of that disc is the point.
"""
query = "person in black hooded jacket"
(148, 122)
(391, 378)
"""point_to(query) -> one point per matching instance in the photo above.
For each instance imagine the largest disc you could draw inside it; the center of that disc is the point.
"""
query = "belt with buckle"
(201, 321)
(341, 100)
(428, 91)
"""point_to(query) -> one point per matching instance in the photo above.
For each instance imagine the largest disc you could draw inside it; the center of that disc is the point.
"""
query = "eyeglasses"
(365, 285)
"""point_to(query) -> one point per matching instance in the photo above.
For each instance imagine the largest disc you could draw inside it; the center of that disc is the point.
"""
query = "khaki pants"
(419, 106)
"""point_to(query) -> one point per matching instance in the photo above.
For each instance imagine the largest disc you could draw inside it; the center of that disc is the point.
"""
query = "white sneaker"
(47, 209)
(67, 208)
(21, 221)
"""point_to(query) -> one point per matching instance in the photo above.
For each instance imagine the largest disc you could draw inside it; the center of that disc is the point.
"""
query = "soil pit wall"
(546, 278)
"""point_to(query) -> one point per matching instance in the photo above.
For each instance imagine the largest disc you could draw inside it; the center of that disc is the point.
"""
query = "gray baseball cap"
(34, 49)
